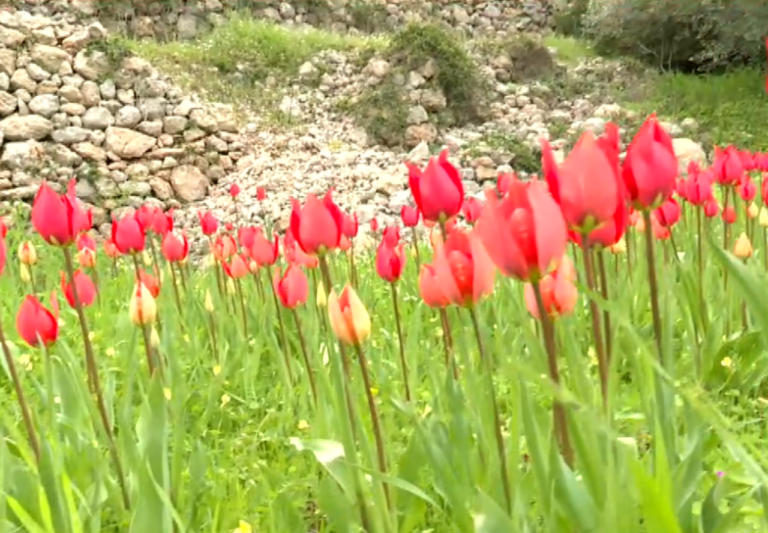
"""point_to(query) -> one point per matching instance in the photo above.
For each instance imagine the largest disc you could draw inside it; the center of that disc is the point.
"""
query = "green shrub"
(568, 15)
(382, 109)
(688, 35)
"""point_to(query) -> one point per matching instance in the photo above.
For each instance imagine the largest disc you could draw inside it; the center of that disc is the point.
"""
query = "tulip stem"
(283, 338)
(214, 344)
(488, 371)
(93, 375)
(403, 362)
(145, 332)
(97, 283)
(700, 259)
(239, 290)
(352, 265)
(602, 360)
(416, 249)
(328, 286)
(558, 410)
(216, 268)
(32, 280)
(175, 288)
(374, 417)
(305, 354)
(450, 361)
(605, 291)
(653, 285)
(726, 232)
(25, 414)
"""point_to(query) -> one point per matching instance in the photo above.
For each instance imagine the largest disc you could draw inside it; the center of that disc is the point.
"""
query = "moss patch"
(524, 157)
(454, 73)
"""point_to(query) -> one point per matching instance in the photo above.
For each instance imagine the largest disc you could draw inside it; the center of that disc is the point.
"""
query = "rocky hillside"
(139, 120)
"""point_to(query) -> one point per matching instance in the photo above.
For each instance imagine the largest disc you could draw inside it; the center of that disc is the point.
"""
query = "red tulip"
(262, 251)
(437, 190)
(144, 216)
(410, 216)
(585, 185)
(747, 189)
(175, 248)
(86, 257)
(463, 268)
(36, 324)
(391, 236)
(700, 189)
(662, 233)
(502, 182)
(162, 223)
(85, 240)
(237, 268)
(246, 236)
(3, 254)
(390, 260)
(374, 223)
(149, 282)
(650, 166)
(111, 249)
(3, 228)
(128, 235)
(208, 223)
(292, 288)
(295, 255)
(711, 208)
(728, 166)
(86, 290)
(668, 214)
(58, 219)
(234, 190)
(228, 227)
(261, 194)
(524, 232)
(729, 215)
(472, 209)
(429, 288)
(224, 247)
(317, 225)
(350, 226)
(558, 292)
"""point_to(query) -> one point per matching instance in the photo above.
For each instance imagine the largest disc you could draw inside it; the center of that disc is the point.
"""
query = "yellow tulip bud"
(208, 301)
(762, 218)
(231, 286)
(143, 309)
(619, 247)
(743, 248)
(146, 258)
(322, 297)
(27, 253)
(24, 273)
(348, 316)
(753, 210)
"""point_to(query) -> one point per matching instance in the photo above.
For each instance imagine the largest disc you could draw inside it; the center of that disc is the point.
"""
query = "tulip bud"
(24, 273)
(743, 248)
(253, 267)
(348, 316)
(753, 210)
(143, 309)
(762, 218)
(231, 286)
(322, 297)
(146, 258)
(620, 247)
(27, 253)
(208, 302)
(87, 258)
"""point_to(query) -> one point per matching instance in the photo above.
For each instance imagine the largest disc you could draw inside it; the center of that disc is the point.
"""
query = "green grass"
(730, 108)
(231, 63)
(570, 50)
(224, 434)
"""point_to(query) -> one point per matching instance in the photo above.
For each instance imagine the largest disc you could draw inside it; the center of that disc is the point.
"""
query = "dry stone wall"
(187, 19)
(126, 133)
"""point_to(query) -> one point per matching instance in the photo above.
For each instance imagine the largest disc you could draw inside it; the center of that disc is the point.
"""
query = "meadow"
(581, 353)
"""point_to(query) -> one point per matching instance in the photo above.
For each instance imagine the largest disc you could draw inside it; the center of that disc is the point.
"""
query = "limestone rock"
(127, 144)
(189, 183)
(24, 128)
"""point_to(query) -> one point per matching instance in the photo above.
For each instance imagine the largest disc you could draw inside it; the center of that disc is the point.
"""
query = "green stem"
(403, 362)
(488, 371)
(653, 285)
(305, 354)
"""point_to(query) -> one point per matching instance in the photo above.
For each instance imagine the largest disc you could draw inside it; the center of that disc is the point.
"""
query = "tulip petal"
(484, 271)
(551, 233)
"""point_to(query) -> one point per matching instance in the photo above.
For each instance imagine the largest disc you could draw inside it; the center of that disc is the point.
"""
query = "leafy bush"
(457, 76)
(694, 35)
